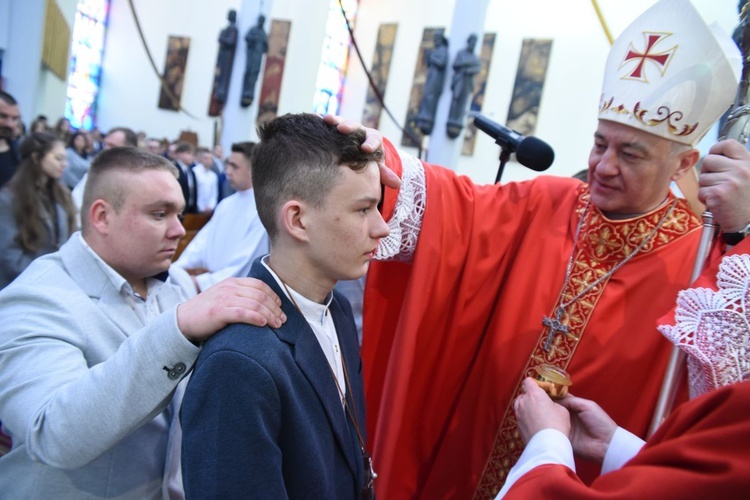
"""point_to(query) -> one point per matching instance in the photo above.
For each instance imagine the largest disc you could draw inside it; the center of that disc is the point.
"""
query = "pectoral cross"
(555, 325)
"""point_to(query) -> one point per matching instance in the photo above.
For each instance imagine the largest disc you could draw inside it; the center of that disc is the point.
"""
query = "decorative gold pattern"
(602, 245)
(662, 115)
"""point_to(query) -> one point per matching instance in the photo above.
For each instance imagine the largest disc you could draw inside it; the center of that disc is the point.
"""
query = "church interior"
(192, 260)
(541, 68)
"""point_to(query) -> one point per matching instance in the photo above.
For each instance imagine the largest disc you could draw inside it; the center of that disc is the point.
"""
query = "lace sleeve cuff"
(408, 213)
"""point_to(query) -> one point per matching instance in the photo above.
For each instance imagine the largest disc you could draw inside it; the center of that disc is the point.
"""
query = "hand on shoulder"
(234, 300)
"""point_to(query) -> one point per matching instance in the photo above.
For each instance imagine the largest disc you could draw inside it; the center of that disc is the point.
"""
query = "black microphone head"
(535, 154)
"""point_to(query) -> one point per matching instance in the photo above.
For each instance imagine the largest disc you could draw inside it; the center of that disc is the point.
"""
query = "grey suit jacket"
(85, 387)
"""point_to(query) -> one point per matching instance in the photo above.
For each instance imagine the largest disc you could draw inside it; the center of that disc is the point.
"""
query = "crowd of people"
(43, 173)
(237, 369)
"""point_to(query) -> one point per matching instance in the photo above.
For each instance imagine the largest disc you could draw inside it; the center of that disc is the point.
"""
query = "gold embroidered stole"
(601, 246)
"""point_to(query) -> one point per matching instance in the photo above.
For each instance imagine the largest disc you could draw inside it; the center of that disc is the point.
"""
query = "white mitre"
(670, 74)
(713, 328)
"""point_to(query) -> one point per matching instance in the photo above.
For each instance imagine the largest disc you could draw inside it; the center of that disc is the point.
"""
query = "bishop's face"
(630, 170)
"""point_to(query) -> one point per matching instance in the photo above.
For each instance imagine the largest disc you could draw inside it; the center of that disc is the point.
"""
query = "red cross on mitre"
(660, 59)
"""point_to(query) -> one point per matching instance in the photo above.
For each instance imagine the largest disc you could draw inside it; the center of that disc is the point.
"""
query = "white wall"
(568, 110)
(567, 119)
(412, 16)
(306, 39)
(23, 31)
(130, 89)
(4, 27)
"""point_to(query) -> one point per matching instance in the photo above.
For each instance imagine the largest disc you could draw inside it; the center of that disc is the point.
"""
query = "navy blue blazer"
(191, 195)
(262, 416)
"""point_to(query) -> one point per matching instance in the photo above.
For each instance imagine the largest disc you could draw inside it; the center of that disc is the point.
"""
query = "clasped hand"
(588, 427)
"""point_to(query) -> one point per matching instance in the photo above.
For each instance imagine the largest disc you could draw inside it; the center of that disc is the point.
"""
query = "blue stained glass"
(86, 62)
(334, 58)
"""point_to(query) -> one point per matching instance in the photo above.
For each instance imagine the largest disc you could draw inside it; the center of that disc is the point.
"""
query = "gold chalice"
(555, 381)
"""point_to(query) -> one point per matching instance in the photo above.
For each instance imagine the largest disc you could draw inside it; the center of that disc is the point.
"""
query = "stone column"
(468, 18)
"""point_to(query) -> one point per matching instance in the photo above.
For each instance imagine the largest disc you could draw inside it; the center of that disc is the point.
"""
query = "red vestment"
(448, 338)
(701, 451)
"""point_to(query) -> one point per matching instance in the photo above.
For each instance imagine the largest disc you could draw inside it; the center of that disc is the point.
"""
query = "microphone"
(530, 152)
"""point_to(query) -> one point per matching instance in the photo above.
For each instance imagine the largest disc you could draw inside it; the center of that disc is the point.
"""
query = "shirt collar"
(114, 277)
(310, 310)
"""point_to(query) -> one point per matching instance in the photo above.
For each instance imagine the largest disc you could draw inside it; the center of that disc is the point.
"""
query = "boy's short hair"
(298, 157)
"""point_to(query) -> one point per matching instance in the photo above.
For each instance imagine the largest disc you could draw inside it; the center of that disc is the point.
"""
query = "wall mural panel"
(417, 88)
(381, 65)
(527, 91)
(173, 77)
(470, 135)
(278, 41)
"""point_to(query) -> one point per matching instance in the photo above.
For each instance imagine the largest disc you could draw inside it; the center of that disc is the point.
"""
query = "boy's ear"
(293, 220)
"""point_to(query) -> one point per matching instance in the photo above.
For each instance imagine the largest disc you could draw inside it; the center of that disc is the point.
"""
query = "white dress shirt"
(208, 188)
(319, 318)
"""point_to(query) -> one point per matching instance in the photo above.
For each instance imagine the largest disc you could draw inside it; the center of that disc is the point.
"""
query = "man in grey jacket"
(96, 338)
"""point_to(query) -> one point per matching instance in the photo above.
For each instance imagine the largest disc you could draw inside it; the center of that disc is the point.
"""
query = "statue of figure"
(437, 60)
(465, 67)
(257, 45)
(737, 33)
(227, 45)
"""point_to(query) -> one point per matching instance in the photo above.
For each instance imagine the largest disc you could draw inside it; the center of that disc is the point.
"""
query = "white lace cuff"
(713, 328)
(408, 213)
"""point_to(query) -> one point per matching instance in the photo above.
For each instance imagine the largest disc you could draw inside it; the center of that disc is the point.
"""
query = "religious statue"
(257, 45)
(737, 33)
(224, 63)
(437, 60)
(465, 67)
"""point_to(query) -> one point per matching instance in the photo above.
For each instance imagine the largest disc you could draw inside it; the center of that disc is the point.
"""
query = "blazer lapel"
(347, 334)
(84, 269)
(312, 363)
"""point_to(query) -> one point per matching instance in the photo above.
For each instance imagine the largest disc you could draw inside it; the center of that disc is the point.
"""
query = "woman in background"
(39, 124)
(63, 130)
(79, 159)
(36, 211)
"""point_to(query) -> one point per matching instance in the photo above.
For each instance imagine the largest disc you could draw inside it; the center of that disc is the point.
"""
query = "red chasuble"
(701, 451)
(448, 338)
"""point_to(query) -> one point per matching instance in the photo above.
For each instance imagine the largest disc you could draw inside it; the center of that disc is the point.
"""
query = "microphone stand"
(504, 157)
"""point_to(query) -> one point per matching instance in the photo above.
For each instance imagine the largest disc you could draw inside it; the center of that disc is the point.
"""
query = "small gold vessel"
(555, 381)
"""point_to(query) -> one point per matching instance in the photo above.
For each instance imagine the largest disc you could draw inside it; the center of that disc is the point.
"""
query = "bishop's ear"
(688, 160)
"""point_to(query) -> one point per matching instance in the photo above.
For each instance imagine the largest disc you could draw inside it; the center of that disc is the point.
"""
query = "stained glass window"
(86, 62)
(332, 71)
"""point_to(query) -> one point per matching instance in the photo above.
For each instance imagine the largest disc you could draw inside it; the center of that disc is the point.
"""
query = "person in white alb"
(227, 245)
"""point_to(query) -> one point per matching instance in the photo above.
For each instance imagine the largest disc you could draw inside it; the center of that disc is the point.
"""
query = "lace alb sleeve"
(406, 222)
(713, 328)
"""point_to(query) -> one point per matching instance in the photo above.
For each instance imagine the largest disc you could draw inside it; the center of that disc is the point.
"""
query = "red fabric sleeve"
(701, 451)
